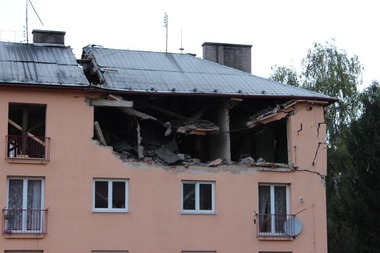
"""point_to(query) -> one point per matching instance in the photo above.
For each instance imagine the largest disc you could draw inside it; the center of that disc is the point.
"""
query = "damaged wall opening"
(187, 130)
(26, 131)
(267, 142)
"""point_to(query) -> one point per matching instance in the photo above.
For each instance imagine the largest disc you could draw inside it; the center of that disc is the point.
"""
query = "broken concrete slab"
(167, 155)
(215, 163)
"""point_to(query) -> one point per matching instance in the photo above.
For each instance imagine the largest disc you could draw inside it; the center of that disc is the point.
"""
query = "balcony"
(27, 149)
(277, 226)
(24, 222)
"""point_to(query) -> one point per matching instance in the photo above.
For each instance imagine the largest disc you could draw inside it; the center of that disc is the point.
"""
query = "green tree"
(361, 196)
(329, 70)
(286, 75)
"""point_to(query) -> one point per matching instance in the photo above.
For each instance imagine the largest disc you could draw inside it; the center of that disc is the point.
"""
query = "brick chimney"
(49, 37)
(233, 55)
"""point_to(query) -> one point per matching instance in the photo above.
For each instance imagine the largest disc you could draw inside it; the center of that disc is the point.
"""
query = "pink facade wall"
(154, 222)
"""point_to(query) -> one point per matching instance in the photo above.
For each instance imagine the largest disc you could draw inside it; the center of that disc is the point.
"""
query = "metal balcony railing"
(24, 221)
(27, 147)
(275, 225)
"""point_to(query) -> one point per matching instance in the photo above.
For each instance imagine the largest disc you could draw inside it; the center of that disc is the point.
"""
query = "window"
(24, 213)
(198, 197)
(23, 251)
(273, 209)
(109, 251)
(191, 251)
(110, 195)
(275, 252)
(26, 138)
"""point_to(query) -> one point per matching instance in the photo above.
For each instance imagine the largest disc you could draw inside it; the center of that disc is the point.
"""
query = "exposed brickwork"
(49, 37)
(232, 55)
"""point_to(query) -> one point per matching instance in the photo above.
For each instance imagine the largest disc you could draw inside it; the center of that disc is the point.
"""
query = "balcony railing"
(27, 148)
(276, 225)
(24, 221)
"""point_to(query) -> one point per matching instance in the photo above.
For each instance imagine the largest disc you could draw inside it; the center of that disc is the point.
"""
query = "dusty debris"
(260, 160)
(199, 127)
(215, 163)
(248, 161)
(167, 155)
(267, 115)
(121, 146)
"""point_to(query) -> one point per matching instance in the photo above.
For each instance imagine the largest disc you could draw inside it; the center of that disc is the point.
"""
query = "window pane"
(15, 194)
(188, 196)
(264, 208)
(101, 194)
(280, 199)
(15, 205)
(205, 197)
(280, 207)
(34, 194)
(33, 215)
(118, 195)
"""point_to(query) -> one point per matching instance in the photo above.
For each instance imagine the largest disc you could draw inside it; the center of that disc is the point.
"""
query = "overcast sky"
(280, 31)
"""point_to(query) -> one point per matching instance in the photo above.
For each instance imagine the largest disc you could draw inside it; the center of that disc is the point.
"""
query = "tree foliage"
(353, 209)
(329, 70)
(363, 195)
(286, 75)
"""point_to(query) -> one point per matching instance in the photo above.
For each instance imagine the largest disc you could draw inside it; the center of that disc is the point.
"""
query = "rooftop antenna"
(166, 24)
(26, 14)
(181, 48)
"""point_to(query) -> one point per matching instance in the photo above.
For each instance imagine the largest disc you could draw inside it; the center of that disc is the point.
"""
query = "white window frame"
(272, 204)
(109, 251)
(25, 201)
(110, 209)
(197, 209)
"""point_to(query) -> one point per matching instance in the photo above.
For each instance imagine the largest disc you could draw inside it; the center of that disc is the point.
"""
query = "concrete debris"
(259, 117)
(199, 127)
(215, 163)
(248, 161)
(167, 155)
(260, 160)
(121, 146)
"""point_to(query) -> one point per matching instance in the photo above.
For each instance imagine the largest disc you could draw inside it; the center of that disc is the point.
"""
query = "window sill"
(197, 213)
(275, 238)
(24, 236)
(110, 211)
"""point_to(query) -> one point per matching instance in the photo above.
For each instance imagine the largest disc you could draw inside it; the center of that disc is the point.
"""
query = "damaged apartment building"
(139, 151)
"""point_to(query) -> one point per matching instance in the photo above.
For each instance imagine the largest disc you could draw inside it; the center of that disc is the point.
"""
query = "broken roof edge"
(323, 100)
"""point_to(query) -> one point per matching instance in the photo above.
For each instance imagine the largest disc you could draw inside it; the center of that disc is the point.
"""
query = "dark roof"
(38, 64)
(143, 71)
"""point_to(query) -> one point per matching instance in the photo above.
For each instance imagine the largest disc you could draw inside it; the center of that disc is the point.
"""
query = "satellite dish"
(293, 226)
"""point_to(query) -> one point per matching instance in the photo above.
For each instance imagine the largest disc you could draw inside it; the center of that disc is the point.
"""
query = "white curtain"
(34, 205)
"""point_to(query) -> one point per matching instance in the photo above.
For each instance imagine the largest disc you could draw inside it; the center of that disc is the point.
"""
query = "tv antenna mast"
(26, 20)
(166, 25)
(181, 48)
